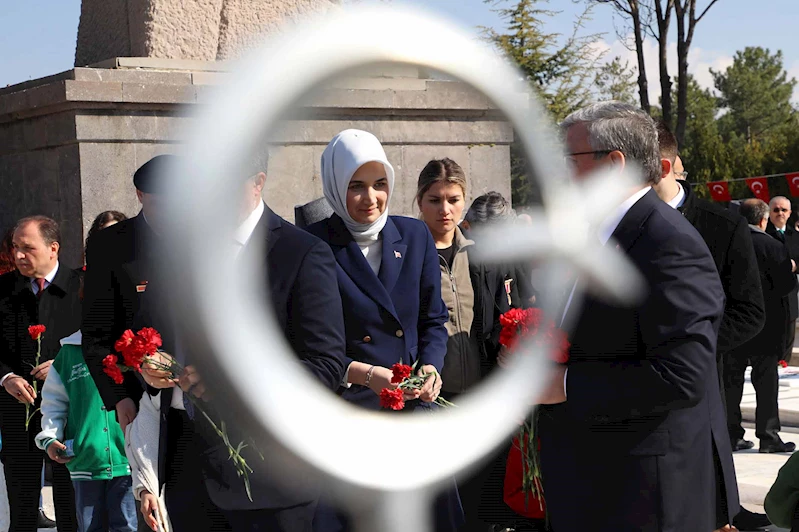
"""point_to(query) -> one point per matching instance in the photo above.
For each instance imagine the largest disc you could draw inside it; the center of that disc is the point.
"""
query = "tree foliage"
(616, 81)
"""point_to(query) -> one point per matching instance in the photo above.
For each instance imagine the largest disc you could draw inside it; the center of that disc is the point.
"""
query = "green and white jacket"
(72, 410)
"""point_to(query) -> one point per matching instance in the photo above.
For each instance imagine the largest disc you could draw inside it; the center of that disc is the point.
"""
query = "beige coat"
(462, 363)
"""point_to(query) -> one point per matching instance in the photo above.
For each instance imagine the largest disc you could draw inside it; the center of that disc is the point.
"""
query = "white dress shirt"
(605, 231)
(677, 201)
(48, 280)
(241, 236)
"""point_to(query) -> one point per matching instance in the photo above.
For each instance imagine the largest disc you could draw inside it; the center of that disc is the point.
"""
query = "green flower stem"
(28, 414)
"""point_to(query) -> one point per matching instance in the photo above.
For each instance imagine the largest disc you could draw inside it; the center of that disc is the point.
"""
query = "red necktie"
(40, 284)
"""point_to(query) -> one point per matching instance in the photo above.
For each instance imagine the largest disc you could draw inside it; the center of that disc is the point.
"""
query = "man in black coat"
(780, 212)
(41, 291)
(727, 237)
(203, 489)
(765, 349)
(626, 439)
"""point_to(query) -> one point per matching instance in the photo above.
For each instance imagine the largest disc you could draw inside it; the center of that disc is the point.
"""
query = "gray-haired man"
(626, 434)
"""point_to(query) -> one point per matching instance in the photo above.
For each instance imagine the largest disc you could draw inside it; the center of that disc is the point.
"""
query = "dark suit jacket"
(122, 291)
(302, 287)
(778, 282)
(397, 315)
(632, 448)
(791, 241)
(727, 236)
(58, 309)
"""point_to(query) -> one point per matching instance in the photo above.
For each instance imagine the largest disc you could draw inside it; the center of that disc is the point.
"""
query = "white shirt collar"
(781, 229)
(245, 230)
(677, 201)
(609, 224)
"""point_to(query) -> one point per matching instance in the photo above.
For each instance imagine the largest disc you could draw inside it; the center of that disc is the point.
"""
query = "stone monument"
(69, 143)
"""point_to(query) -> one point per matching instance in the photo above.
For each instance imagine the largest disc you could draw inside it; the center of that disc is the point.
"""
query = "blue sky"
(37, 37)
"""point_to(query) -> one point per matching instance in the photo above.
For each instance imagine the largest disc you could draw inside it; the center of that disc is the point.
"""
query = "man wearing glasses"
(779, 213)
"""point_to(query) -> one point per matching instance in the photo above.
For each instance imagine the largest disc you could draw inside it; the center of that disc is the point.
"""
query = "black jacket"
(791, 241)
(727, 236)
(58, 310)
(642, 393)
(778, 282)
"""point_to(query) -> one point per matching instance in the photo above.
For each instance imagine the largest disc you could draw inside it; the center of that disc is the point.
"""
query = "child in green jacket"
(78, 431)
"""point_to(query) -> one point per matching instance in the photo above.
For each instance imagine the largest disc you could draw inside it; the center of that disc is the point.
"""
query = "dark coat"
(791, 241)
(727, 236)
(632, 447)
(58, 310)
(778, 282)
(397, 315)
(302, 287)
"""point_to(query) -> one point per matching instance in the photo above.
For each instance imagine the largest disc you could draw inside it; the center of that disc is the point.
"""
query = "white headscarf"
(348, 151)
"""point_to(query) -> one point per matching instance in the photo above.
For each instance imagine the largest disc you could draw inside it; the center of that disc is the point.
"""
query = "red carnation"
(392, 399)
(36, 331)
(783, 364)
(111, 369)
(124, 341)
(401, 372)
(151, 338)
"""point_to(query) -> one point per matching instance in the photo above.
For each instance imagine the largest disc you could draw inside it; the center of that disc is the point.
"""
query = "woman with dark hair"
(103, 220)
(7, 253)
(476, 294)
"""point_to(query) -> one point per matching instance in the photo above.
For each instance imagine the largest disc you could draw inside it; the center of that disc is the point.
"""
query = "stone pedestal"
(206, 30)
(69, 143)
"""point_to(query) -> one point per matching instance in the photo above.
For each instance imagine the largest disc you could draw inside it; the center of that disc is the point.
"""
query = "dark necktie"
(40, 284)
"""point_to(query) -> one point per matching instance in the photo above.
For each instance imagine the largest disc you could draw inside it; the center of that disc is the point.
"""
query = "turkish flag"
(759, 187)
(793, 183)
(719, 190)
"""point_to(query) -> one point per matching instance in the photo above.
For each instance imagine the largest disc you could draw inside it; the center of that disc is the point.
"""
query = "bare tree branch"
(706, 10)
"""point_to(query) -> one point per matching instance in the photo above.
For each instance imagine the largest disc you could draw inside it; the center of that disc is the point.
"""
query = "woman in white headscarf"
(390, 286)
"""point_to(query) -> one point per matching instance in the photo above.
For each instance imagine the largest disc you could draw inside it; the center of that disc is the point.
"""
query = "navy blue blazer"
(397, 315)
(635, 445)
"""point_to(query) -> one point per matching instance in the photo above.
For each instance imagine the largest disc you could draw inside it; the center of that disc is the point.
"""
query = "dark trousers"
(298, 518)
(765, 382)
(187, 502)
(23, 462)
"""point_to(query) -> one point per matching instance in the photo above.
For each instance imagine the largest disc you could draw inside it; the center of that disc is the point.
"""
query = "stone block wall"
(70, 143)
(205, 30)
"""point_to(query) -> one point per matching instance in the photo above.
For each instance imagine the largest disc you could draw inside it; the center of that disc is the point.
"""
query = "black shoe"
(44, 521)
(746, 520)
(778, 447)
(741, 445)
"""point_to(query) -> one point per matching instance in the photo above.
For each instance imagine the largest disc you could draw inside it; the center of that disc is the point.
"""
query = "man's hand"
(555, 388)
(191, 382)
(149, 509)
(432, 386)
(793, 265)
(40, 372)
(126, 412)
(19, 389)
(155, 373)
(54, 454)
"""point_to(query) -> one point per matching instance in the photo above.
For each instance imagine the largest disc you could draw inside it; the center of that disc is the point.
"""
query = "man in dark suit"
(304, 294)
(780, 212)
(40, 291)
(727, 237)
(626, 439)
(765, 349)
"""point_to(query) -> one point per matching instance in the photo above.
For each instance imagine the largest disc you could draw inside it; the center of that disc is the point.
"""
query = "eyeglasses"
(681, 175)
(777, 210)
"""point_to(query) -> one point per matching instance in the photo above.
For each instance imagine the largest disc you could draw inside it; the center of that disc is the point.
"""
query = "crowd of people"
(637, 429)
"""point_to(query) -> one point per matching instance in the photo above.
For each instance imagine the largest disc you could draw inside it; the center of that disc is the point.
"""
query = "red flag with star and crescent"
(793, 183)
(759, 187)
(719, 190)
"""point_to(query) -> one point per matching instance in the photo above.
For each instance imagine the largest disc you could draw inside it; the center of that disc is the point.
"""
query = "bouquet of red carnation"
(141, 348)
(394, 398)
(523, 470)
(36, 332)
